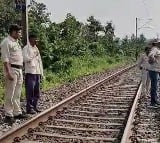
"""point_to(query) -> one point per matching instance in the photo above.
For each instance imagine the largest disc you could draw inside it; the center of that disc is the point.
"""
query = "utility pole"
(136, 55)
(137, 28)
(24, 22)
(21, 5)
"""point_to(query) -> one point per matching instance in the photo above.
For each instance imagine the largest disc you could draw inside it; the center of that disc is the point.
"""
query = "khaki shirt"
(11, 51)
(155, 54)
(32, 60)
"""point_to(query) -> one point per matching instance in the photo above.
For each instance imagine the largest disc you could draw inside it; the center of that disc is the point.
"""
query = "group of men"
(149, 63)
(13, 58)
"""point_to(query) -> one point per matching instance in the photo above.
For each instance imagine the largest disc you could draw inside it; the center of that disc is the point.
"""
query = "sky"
(122, 13)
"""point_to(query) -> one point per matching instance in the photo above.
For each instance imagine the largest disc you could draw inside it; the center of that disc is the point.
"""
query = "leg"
(144, 80)
(148, 83)
(36, 92)
(17, 94)
(9, 93)
(29, 86)
(153, 77)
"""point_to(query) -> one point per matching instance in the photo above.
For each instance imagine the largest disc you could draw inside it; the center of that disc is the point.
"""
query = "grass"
(81, 66)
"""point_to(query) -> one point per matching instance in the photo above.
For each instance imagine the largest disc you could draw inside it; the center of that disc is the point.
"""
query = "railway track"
(95, 115)
(146, 124)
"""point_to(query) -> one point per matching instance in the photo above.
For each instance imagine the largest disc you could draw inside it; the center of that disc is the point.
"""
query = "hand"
(10, 76)
(42, 78)
(140, 68)
(151, 60)
(28, 62)
(36, 53)
(144, 68)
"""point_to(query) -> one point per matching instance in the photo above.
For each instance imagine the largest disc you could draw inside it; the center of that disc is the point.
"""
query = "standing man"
(154, 70)
(33, 74)
(143, 66)
(11, 54)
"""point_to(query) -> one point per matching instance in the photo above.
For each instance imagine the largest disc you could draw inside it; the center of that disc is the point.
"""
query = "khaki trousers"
(145, 82)
(13, 92)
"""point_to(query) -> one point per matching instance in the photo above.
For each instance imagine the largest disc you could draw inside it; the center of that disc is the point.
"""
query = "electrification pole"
(137, 28)
(21, 5)
(136, 55)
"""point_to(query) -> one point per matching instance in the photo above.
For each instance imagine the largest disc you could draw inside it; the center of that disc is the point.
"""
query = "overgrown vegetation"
(71, 48)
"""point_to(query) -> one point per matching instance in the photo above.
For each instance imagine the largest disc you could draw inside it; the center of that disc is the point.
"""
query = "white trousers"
(13, 92)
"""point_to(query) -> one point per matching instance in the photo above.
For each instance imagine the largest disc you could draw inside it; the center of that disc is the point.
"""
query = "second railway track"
(97, 114)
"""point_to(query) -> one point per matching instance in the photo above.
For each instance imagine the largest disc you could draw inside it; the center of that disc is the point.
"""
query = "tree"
(93, 28)
(8, 16)
(108, 39)
(109, 30)
(38, 13)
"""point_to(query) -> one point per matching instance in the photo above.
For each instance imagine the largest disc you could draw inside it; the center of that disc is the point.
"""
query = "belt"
(16, 66)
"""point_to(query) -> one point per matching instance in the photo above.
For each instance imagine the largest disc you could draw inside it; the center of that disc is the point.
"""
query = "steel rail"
(22, 129)
(127, 131)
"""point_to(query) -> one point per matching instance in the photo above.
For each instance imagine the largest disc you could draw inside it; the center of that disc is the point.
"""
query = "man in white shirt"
(11, 54)
(33, 74)
(154, 70)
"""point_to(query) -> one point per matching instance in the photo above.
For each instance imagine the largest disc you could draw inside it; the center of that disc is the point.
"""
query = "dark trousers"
(32, 86)
(154, 80)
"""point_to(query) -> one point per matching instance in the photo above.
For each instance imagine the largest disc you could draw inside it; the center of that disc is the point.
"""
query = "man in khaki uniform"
(11, 54)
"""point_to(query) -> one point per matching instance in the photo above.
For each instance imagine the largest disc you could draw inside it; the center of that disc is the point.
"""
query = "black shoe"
(9, 120)
(21, 116)
(155, 106)
(157, 102)
(31, 111)
(37, 110)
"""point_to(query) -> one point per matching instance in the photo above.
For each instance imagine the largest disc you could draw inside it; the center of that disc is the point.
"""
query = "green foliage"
(70, 49)
(8, 16)
(96, 49)
(38, 13)
(81, 66)
(93, 27)
(59, 42)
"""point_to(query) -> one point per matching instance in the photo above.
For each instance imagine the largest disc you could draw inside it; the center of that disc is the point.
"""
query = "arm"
(8, 71)
(140, 61)
(27, 55)
(152, 56)
(153, 52)
(5, 58)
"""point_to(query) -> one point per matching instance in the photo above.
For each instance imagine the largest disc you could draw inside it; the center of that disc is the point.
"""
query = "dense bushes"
(61, 41)
(71, 48)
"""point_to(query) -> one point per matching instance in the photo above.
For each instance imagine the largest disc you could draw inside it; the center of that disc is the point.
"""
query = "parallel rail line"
(94, 114)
